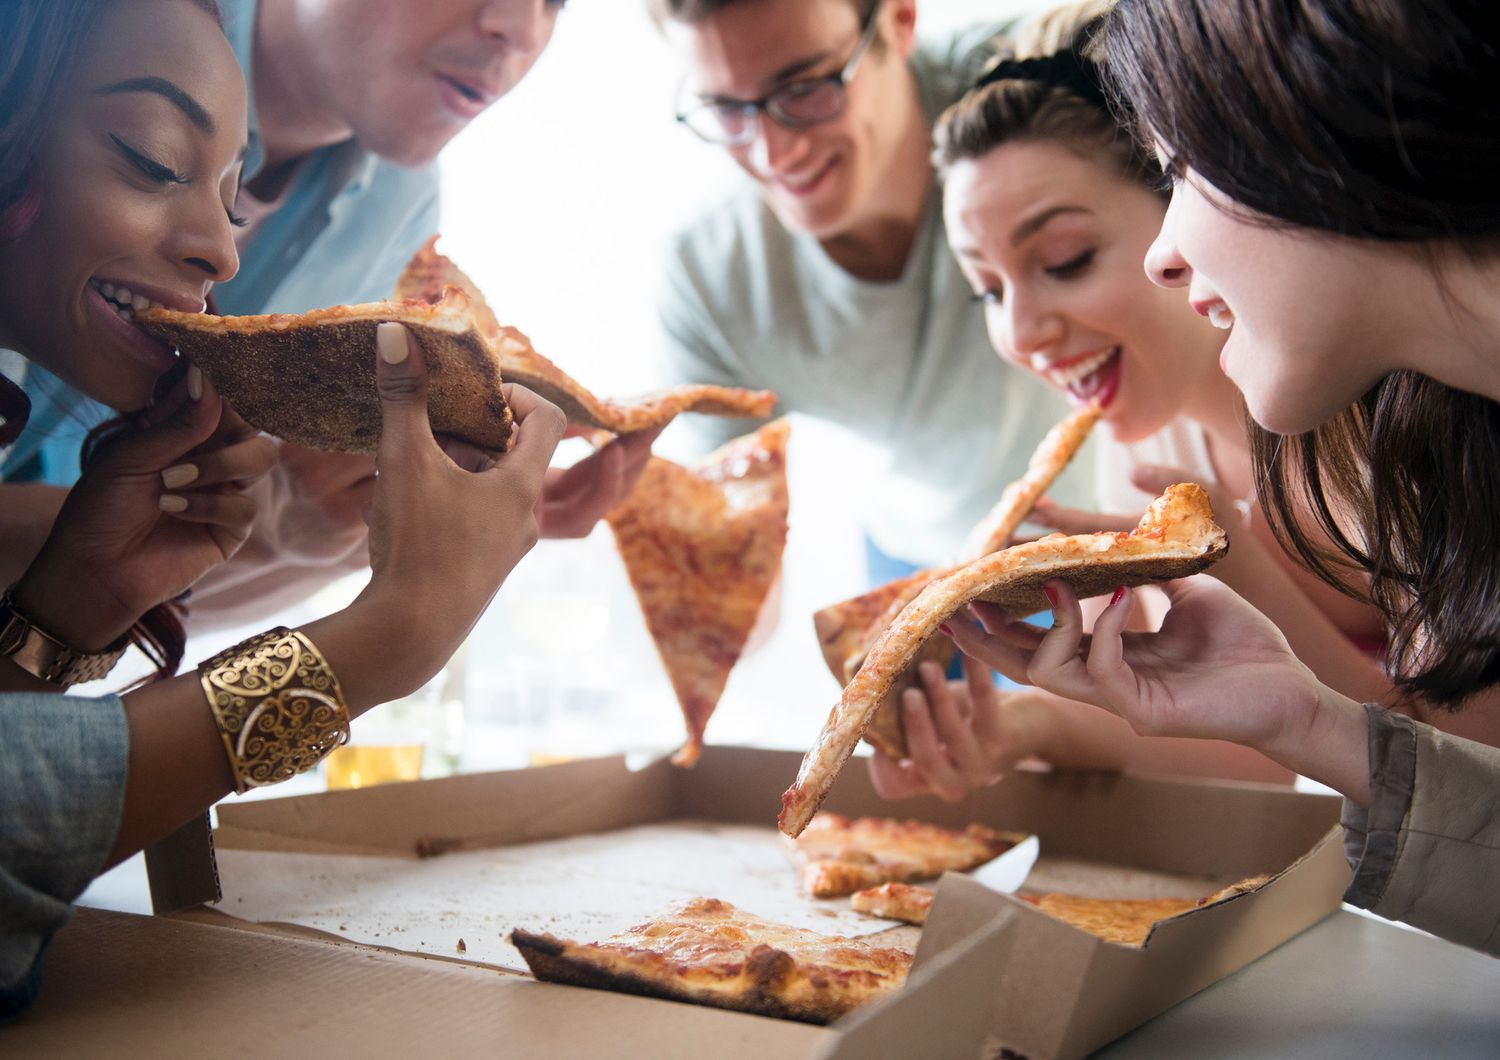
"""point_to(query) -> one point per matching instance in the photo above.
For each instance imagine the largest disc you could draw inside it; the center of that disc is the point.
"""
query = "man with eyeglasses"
(827, 276)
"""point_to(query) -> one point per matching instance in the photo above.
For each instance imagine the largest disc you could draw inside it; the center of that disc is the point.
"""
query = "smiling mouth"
(122, 300)
(1084, 378)
(1220, 316)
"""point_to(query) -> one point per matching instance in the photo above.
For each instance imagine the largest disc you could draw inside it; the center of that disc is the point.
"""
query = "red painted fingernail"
(1119, 595)
(1051, 594)
(946, 631)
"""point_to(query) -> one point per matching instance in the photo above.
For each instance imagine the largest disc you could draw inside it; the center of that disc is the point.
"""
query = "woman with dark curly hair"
(1334, 209)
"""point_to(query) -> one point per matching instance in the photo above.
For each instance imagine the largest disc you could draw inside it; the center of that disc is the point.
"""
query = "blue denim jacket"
(63, 762)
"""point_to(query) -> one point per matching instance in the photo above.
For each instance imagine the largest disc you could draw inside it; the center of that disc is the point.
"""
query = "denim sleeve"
(63, 762)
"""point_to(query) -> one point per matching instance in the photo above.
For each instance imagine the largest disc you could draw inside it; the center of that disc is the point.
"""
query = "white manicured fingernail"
(390, 339)
(170, 502)
(179, 475)
(195, 382)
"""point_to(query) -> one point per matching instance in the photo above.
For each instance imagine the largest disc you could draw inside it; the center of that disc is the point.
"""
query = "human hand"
(163, 503)
(1217, 669)
(443, 536)
(960, 735)
(574, 499)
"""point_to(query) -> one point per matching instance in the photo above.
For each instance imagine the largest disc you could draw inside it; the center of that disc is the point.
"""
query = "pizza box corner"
(991, 971)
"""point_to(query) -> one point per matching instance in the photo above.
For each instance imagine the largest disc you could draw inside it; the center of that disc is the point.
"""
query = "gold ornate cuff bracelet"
(278, 705)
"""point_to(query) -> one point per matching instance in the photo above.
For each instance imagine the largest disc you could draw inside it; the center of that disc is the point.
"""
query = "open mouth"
(1220, 316)
(470, 94)
(1092, 378)
(122, 300)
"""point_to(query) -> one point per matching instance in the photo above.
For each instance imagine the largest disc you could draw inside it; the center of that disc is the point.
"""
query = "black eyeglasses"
(796, 105)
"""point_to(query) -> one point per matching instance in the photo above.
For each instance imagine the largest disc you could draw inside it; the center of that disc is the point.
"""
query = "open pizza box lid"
(330, 885)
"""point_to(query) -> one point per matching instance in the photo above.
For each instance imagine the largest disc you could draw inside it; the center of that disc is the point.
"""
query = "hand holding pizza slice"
(1176, 537)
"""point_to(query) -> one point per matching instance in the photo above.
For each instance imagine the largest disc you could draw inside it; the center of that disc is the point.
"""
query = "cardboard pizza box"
(331, 885)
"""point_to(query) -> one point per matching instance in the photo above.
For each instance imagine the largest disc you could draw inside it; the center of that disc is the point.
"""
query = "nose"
(1028, 325)
(204, 242)
(775, 149)
(525, 25)
(1165, 264)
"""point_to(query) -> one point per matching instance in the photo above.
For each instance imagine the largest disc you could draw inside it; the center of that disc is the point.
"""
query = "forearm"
(1080, 736)
(178, 766)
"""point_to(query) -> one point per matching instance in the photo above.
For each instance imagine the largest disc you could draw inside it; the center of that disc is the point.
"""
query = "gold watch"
(42, 655)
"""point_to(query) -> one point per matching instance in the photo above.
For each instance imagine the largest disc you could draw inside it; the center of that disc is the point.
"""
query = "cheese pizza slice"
(429, 273)
(702, 546)
(839, 855)
(708, 952)
(847, 629)
(1175, 538)
(310, 377)
(1127, 921)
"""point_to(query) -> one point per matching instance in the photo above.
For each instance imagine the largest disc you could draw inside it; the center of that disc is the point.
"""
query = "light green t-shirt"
(906, 365)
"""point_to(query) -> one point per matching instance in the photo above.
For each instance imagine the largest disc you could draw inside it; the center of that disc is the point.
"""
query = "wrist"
(60, 605)
(1329, 744)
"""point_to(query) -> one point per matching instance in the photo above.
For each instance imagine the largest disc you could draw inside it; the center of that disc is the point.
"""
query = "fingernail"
(390, 340)
(1119, 595)
(195, 382)
(179, 475)
(946, 631)
(1051, 594)
(170, 502)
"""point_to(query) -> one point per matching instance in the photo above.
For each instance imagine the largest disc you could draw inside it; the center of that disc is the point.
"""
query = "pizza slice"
(846, 630)
(839, 855)
(429, 274)
(906, 902)
(702, 547)
(1127, 921)
(709, 953)
(1176, 537)
(310, 377)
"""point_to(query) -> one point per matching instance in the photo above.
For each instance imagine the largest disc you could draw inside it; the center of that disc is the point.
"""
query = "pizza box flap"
(1116, 988)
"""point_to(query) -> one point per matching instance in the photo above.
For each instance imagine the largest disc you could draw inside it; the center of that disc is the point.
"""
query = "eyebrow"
(168, 90)
(1032, 225)
(801, 66)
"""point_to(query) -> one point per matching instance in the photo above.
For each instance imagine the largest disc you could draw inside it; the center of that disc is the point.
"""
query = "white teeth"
(107, 289)
(139, 302)
(123, 295)
(125, 313)
(1073, 373)
(1220, 316)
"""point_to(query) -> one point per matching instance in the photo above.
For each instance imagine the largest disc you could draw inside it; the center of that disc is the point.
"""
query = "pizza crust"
(310, 377)
(1176, 537)
(846, 630)
(429, 274)
(709, 953)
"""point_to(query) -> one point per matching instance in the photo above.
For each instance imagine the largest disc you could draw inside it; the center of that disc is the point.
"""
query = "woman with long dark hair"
(123, 129)
(1334, 209)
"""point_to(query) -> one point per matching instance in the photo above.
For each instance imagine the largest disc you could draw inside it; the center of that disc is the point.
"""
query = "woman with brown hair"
(1333, 209)
(1050, 205)
(123, 129)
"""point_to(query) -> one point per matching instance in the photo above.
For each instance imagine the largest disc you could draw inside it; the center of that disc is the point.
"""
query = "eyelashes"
(148, 166)
(163, 174)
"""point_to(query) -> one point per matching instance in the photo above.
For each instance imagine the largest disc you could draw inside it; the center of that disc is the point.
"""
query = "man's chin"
(412, 145)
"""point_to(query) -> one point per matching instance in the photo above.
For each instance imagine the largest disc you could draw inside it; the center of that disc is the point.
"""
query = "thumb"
(401, 382)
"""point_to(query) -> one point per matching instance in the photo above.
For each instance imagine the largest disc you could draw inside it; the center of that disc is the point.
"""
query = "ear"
(899, 26)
